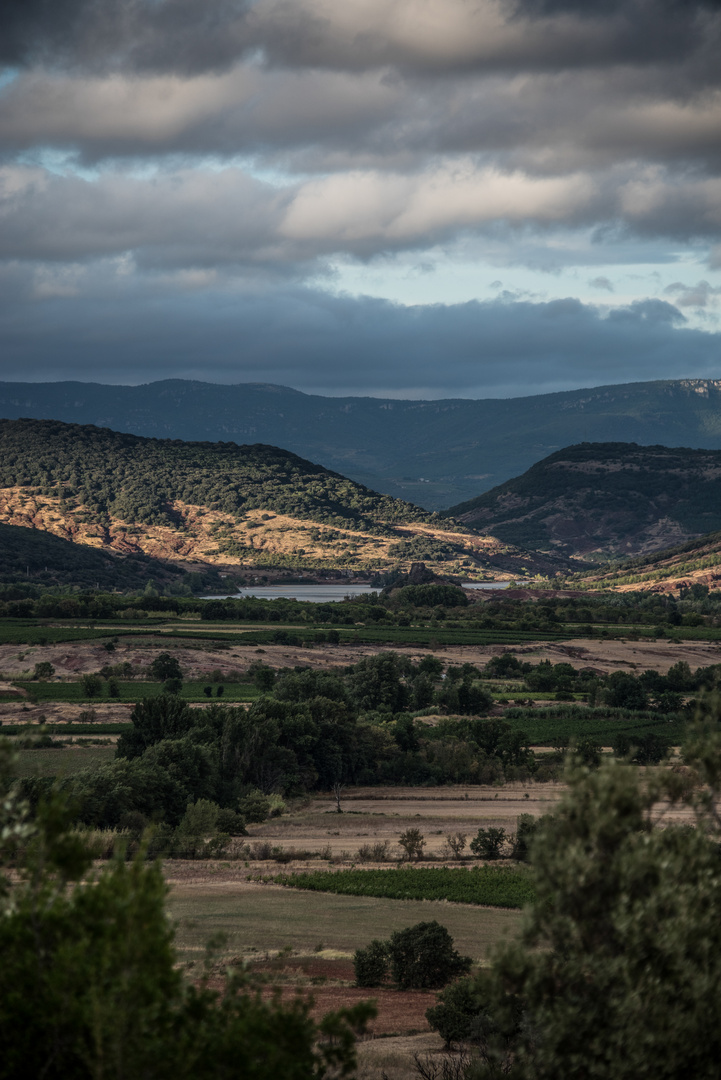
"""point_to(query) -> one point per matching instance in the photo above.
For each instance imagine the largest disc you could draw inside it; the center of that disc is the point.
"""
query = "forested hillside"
(219, 503)
(603, 500)
(137, 479)
(434, 453)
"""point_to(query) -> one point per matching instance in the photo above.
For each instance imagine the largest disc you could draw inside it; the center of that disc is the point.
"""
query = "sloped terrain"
(28, 554)
(434, 453)
(695, 566)
(223, 505)
(604, 500)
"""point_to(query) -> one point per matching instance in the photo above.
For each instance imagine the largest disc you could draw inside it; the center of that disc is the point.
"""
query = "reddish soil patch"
(330, 983)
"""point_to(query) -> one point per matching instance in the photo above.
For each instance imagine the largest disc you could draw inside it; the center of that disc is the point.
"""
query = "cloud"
(123, 330)
(700, 295)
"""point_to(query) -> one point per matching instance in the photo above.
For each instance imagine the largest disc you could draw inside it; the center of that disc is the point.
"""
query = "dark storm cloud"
(98, 35)
(318, 342)
(189, 36)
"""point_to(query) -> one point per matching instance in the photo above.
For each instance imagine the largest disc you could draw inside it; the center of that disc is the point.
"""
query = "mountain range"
(432, 453)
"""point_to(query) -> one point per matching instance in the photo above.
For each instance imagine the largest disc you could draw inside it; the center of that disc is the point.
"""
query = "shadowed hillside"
(604, 500)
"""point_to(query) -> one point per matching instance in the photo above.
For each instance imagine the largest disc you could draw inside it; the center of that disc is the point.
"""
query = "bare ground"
(198, 658)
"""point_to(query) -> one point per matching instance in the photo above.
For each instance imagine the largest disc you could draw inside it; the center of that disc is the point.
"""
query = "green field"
(62, 760)
(131, 691)
(549, 727)
(260, 918)
(490, 886)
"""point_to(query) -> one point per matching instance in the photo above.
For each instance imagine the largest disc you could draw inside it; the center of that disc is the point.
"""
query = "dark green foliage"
(492, 886)
(619, 973)
(468, 1012)
(165, 666)
(372, 964)
(423, 958)
(92, 685)
(611, 492)
(487, 843)
(525, 831)
(155, 719)
(430, 595)
(90, 985)
(101, 472)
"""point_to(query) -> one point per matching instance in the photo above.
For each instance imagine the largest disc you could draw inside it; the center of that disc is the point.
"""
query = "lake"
(322, 594)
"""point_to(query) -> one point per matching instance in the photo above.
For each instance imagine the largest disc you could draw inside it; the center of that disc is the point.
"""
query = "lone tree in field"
(420, 957)
(423, 957)
(165, 667)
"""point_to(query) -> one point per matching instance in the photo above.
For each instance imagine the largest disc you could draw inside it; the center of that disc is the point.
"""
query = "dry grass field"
(373, 815)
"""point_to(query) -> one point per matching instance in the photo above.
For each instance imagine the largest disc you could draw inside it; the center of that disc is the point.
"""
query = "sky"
(395, 198)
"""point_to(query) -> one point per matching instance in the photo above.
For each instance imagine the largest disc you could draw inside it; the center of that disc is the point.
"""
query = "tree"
(43, 670)
(92, 685)
(422, 957)
(619, 970)
(487, 843)
(371, 964)
(165, 666)
(412, 842)
(90, 985)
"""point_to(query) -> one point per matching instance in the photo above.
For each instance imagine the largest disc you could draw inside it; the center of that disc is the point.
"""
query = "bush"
(412, 842)
(372, 963)
(525, 830)
(231, 822)
(423, 958)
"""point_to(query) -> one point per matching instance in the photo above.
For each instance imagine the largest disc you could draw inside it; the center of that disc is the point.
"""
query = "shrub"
(525, 830)
(412, 842)
(231, 822)
(456, 842)
(372, 963)
(43, 670)
(423, 957)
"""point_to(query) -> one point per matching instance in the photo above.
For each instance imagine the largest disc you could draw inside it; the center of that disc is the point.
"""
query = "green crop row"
(551, 727)
(132, 691)
(492, 886)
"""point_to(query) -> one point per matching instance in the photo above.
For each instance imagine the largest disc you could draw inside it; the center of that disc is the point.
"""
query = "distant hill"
(695, 565)
(433, 453)
(604, 500)
(30, 555)
(220, 504)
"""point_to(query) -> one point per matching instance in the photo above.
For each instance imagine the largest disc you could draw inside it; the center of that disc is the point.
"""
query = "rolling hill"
(223, 505)
(693, 565)
(31, 555)
(604, 500)
(434, 453)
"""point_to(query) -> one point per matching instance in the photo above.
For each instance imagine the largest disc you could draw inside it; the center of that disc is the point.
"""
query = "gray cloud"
(700, 295)
(185, 36)
(316, 342)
